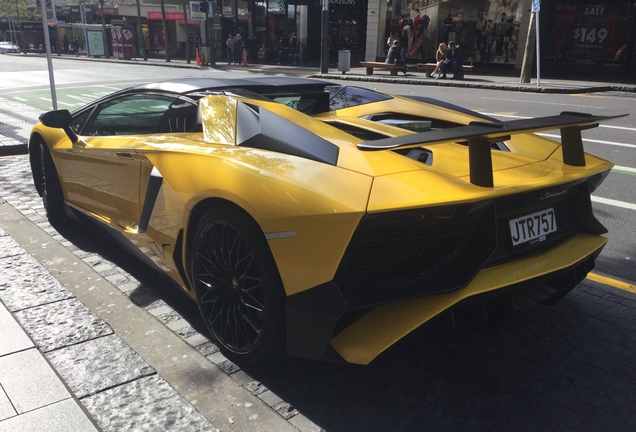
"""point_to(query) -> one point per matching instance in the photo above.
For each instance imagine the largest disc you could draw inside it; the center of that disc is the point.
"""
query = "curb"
(563, 87)
(13, 147)
(527, 88)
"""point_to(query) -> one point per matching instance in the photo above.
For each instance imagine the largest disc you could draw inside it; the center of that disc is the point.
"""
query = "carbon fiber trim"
(154, 184)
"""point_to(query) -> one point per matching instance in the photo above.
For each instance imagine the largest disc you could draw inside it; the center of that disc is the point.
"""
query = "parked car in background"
(8, 47)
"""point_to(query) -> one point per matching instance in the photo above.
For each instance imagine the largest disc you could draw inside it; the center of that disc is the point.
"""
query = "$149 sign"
(590, 35)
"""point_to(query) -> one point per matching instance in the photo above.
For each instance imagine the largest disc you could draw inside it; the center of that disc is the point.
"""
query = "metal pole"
(84, 34)
(53, 14)
(106, 44)
(54, 19)
(47, 44)
(17, 35)
(12, 33)
(166, 31)
(212, 44)
(324, 58)
(536, 16)
(185, 24)
(140, 35)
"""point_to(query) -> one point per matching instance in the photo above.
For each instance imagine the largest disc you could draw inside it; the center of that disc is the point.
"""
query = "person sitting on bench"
(454, 61)
(393, 56)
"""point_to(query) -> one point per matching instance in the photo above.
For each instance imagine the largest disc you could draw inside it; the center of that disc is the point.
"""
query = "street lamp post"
(18, 39)
(208, 7)
(106, 46)
(211, 4)
(324, 57)
(185, 23)
(140, 36)
(166, 33)
(47, 45)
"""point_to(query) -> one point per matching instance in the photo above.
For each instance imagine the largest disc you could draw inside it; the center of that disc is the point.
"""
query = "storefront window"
(347, 23)
(588, 30)
(496, 32)
(487, 31)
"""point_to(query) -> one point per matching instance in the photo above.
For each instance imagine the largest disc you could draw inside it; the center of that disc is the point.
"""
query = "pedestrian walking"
(238, 48)
(229, 48)
(76, 47)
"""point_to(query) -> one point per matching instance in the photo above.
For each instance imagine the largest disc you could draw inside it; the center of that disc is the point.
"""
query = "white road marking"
(615, 203)
(19, 98)
(545, 103)
(80, 98)
(592, 141)
(59, 102)
(584, 139)
(522, 117)
(624, 168)
(618, 127)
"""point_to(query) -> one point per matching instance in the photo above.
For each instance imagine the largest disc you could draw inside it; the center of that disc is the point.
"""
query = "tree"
(15, 10)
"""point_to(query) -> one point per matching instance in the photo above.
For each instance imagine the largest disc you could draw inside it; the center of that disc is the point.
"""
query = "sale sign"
(587, 31)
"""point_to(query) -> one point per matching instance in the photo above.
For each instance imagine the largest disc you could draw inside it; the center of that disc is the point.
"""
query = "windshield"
(346, 97)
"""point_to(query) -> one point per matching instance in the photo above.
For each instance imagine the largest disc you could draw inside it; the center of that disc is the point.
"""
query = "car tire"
(237, 285)
(49, 187)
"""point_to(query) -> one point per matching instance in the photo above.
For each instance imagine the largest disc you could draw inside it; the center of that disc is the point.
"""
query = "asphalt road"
(569, 367)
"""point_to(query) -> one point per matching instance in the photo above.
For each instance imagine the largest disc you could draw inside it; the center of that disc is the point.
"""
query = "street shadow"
(539, 372)
(154, 285)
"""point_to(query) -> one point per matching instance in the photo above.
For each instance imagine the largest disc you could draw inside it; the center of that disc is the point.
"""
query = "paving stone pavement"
(82, 347)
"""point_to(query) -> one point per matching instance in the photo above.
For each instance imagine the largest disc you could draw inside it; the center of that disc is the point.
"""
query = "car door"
(102, 169)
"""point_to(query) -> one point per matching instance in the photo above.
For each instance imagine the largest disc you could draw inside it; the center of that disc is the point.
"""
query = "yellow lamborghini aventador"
(327, 221)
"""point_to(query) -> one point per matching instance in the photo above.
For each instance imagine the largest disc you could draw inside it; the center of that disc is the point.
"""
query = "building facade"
(289, 31)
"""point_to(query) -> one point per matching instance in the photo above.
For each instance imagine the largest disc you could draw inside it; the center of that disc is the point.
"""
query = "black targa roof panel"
(187, 85)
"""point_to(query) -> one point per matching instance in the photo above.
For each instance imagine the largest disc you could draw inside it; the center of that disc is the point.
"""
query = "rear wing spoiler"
(480, 136)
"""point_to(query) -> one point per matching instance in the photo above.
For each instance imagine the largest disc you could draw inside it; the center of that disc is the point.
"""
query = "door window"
(129, 115)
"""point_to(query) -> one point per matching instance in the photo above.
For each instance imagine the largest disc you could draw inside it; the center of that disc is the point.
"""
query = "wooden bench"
(430, 67)
(393, 67)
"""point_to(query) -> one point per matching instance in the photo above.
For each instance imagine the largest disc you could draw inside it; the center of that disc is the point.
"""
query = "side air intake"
(259, 128)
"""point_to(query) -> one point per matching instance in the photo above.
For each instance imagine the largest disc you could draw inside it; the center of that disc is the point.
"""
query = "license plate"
(533, 227)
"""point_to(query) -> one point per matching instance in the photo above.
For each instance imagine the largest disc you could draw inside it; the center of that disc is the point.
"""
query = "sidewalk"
(33, 397)
(558, 80)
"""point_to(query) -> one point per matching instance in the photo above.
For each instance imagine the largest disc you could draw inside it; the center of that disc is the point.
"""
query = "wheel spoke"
(43, 178)
(239, 322)
(229, 286)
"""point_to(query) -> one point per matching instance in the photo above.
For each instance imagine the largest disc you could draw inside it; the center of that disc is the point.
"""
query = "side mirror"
(56, 119)
(59, 119)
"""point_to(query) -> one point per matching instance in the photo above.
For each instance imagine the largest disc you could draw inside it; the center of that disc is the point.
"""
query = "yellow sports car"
(328, 221)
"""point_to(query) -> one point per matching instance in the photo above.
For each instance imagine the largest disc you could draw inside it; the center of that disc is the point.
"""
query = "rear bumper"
(315, 318)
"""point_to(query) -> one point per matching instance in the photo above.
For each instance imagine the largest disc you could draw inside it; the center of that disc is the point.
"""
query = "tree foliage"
(14, 8)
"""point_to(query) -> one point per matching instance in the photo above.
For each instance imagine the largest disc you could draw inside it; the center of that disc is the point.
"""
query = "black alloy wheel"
(50, 189)
(237, 285)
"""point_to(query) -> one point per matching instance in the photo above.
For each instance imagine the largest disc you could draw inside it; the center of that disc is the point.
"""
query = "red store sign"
(172, 16)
